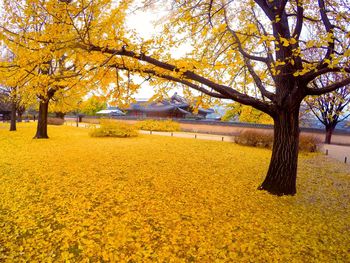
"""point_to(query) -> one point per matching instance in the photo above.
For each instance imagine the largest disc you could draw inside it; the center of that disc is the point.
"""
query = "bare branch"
(258, 81)
(329, 29)
(267, 10)
(329, 88)
(170, 78)
(239, 44)
(300, 19)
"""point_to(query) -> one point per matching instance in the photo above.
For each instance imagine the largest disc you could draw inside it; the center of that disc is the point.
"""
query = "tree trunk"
(60, 115)
(20, 111)
(282, 173)
(41, 131)
(329, 133)
(13, 117)
(19, 117)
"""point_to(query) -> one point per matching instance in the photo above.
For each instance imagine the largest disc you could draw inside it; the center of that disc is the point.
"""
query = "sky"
(144, 23)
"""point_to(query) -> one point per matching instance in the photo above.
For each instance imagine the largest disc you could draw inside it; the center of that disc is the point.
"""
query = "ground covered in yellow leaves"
(162, 199)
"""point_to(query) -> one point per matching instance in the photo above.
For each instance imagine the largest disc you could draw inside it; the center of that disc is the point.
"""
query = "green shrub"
(264, 139)
(114, 129)
(55, 121)
(153, 125)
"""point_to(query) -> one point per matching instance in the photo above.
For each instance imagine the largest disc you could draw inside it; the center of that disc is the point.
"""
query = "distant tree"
(5, 105)
(331, 108)
(93, 105)
(37, 33)
(9, 99)
(64, 101)
(18, 103)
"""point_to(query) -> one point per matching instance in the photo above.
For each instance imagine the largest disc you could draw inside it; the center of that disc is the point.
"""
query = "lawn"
(74, 198)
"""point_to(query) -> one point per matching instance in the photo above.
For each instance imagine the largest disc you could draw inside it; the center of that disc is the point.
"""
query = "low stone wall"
(234, 128)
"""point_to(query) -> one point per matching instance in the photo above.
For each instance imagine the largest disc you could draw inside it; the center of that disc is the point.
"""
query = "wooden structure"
(175, 107)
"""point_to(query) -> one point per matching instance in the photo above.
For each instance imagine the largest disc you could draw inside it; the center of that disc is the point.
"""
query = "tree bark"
(329, 133)
(41, 131)
(20, 111)
(282, 174)
(13, 117)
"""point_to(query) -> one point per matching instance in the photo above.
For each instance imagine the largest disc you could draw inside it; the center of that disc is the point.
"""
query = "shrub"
(55, 121)
(255, 138)
(114, 129)
(153, 125)
(307, 143)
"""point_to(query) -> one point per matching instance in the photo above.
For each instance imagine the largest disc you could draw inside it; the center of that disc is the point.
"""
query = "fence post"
(150, 132)
(326, 151)
(195, 136)
(222, 139)
(345, 160)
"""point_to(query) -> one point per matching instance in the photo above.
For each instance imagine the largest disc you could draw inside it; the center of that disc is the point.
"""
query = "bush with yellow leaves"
(55, 121)
(110, 128)
(158, 125)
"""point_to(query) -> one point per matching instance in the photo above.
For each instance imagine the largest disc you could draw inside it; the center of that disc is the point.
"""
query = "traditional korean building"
(175, 107)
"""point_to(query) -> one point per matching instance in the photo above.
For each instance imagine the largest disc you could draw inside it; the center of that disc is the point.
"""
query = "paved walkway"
(338, 152)
(200, 136)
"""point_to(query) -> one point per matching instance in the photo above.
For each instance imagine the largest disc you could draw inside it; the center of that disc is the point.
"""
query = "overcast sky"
(144, 22)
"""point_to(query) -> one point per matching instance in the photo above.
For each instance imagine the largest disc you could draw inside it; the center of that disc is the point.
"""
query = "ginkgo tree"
(257, 41)
(11, 81)
(38, 33)
(330, 108)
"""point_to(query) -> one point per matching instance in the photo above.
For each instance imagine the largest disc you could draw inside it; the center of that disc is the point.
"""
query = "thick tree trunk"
(282, 173)
(13, 117)
(329, 133)
(41, 131)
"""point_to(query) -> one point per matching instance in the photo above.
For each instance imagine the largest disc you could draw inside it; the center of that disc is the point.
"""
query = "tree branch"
(258, 81)
(329, 29)
(300, 20)
(312, 75)
(225, 91)
(267, 10)
(171, 78)
(329, 88)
